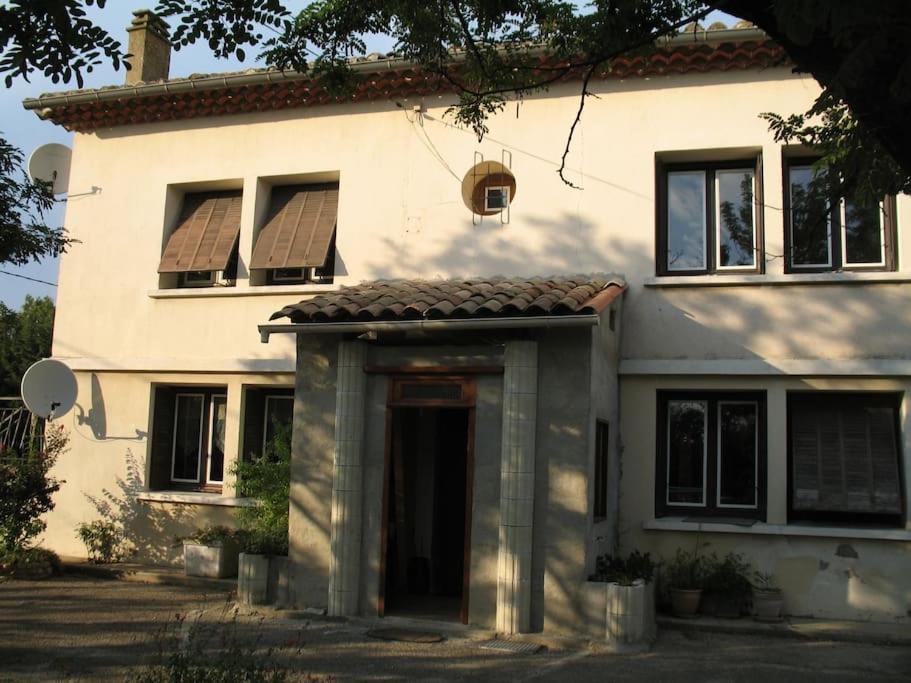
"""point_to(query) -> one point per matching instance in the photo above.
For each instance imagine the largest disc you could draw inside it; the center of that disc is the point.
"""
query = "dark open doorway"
(427, 512)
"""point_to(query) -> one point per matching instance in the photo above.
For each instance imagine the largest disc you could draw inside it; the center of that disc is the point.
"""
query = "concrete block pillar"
(517, 487)
(347, 480)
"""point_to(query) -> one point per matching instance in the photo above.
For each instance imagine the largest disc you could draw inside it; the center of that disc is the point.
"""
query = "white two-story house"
(493, 377)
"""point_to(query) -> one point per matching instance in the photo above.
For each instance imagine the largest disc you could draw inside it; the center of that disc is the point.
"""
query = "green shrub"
(103, 541)
(30, 563)
(264, 526)
(728, 577)
(26, 491)
(213, 534)
(687, 570)
(624, 571)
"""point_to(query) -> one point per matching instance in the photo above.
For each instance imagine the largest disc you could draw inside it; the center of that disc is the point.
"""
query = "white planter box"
(253, 579)
(212, 561)
(631, 616)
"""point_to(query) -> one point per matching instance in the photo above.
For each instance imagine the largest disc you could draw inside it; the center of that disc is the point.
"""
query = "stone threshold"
(873, 633)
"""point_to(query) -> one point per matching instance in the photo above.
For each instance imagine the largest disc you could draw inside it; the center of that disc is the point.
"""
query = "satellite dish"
(50, 163)
(49, 388)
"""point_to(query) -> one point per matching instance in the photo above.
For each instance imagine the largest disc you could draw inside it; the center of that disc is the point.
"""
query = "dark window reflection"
(737, 427)
(686, 452)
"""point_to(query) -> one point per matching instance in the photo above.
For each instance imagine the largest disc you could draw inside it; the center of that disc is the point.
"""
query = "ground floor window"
(844, 457)
(188, 438)
(268, 413)
(711, 454)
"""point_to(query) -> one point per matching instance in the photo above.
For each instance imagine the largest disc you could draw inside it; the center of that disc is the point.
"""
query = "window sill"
(763, 529)
(839, 278)
(264, 290)
(194, 498)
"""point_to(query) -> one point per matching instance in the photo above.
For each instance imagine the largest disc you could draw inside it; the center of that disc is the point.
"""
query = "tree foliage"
(25, 337)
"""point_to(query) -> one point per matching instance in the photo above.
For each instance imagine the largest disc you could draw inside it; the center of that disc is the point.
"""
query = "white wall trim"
(194, 498)
(839, 278)
(762, 529)
(209, 365)
(869, 367)
(263, 290)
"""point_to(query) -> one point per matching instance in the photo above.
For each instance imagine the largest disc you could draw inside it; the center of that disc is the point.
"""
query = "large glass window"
(708, 220)
(188, 438)
(825, 232)
(711, 456)
(844, 457)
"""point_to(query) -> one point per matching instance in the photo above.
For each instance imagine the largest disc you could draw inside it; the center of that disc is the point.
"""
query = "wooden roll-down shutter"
(299, 230)
(206, 233)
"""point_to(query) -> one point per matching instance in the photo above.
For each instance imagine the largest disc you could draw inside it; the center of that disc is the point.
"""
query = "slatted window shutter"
(844, 455)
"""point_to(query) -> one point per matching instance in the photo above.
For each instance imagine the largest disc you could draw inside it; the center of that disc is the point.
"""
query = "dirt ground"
(86, 629)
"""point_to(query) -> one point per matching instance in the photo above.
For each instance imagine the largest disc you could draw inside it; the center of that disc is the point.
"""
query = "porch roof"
(457, 299)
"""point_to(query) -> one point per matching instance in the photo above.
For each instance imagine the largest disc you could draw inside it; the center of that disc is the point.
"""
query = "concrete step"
(146, 573)
(873, 633)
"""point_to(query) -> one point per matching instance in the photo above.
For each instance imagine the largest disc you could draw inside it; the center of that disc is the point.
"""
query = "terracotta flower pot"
(685, 602)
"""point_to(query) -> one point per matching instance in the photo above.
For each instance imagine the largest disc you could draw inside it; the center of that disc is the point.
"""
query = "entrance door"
(427, 510)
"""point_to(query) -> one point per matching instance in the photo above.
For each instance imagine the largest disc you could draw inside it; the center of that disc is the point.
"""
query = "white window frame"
(202, 409)
(667, 221)
(719, 172)
(843, 215)
(211, 437)
(504, 189)
(793, 265)
(705, 434)
(719, 504)
(273, 397)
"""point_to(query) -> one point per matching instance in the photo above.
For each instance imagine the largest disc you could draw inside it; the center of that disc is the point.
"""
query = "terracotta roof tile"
(387, 83)
(457, 299)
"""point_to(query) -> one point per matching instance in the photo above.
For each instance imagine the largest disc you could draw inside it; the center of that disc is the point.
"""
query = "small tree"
(267, 479)
(26, 492)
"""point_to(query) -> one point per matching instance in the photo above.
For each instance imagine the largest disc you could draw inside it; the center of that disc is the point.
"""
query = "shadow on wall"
(149, 530)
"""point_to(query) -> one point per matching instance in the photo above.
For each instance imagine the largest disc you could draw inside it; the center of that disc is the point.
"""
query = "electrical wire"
(26, 277)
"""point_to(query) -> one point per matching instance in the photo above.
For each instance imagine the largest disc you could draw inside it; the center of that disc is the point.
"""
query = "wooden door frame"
(394, 400)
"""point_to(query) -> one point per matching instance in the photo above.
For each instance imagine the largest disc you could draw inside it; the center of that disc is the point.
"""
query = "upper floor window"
(825, 232)
(711, 454)
(708, 218)
(202, 249)
(297, 242)
(844, 457)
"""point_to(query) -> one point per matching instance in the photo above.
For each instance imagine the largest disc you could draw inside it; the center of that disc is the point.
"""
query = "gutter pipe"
(547, 321)
(44, 104)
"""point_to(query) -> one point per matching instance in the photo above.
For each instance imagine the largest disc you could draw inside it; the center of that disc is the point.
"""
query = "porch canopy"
(452, 304)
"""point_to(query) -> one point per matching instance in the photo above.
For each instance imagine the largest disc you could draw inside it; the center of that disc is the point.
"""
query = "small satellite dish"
(49, 388)
(51, 163)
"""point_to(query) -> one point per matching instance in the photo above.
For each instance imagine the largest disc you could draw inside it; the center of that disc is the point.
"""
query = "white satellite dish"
(51, 163)
(49, 388)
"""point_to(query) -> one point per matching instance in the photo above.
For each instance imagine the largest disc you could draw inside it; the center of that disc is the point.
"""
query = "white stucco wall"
(401, 215)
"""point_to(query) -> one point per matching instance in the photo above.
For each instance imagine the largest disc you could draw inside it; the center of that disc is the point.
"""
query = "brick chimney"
(149, 47)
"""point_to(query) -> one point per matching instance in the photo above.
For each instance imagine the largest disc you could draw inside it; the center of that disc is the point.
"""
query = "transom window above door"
(709, 218)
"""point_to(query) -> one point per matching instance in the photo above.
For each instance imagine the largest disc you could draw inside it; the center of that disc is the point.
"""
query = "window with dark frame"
(824, 232)
(711, 454)
(709, 218)
(188, 438)
(844, 457)
(268, 411)
(602, 448)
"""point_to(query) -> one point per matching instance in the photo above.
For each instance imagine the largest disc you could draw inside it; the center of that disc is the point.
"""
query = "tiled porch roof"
(498, 297)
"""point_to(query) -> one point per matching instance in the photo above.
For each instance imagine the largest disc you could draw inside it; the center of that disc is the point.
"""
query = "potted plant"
(211, 552)
(630, 599)
(767, 598)
(264, 526)
(684, 575)
(726, 586)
